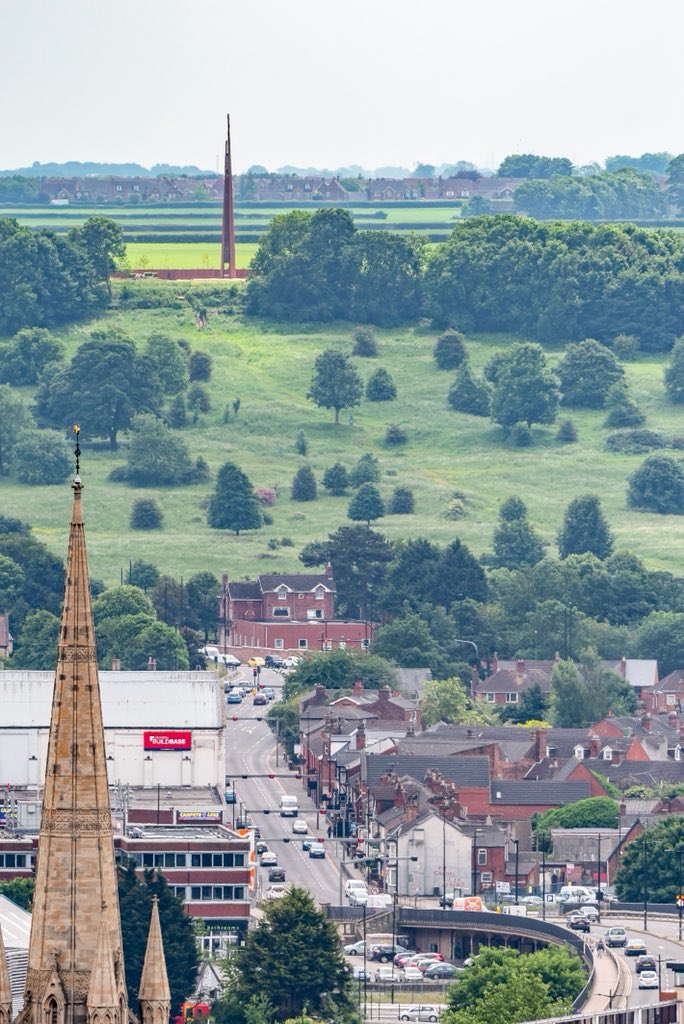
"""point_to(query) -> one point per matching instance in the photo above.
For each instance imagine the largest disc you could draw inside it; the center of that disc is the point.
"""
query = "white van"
(289, 806)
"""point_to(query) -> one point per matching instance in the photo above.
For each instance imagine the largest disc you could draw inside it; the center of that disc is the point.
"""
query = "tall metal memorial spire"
(228, 225)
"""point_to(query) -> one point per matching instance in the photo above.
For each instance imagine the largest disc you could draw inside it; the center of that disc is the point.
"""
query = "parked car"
(387, 975)
(276, 892)
(259, 699)
(422, 1012)
(616, 937)
(317, 850)
(230, 661)
(256, 662)
(360, 973)
(412, 973)
(441, 971)
(276, 875)
(427, 958)
(274, 661)
(291, 662)
(355, 948)
(635, 947)
(531, 901)
(404, 959)
(234, 697)
(269, 859)
(300, 827)
(648, 979)
(384, 952)
(579, 923)
(645, 963)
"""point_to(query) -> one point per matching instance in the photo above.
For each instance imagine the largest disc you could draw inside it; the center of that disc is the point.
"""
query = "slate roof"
(649, 773)
(671, 683)
(552, 793)
(248, 590)
(463, 771)
(299, 581)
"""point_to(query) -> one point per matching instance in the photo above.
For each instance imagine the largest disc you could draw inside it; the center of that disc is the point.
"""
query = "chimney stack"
(328, 569)
(358, 688)
(116, 663)
(594, 746)
(151, 664)
(520, 666)
(647, 723)
(361, 736)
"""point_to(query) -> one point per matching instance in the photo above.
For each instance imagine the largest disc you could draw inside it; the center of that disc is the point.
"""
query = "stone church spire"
(154, 993)
(5, 990)
(76, 892)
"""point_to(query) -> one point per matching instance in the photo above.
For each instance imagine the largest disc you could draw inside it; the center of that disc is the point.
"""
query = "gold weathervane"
(77, 448)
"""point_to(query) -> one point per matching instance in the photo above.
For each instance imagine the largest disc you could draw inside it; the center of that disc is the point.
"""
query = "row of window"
(209, 892)
(16, 860)
(311, 613)
(188, 860)
(511, 698)
(283, 594)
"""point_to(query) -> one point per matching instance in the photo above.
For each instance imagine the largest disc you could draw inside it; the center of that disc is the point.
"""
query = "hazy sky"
(369, 82)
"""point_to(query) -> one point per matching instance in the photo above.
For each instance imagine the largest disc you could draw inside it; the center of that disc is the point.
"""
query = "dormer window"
(282, 593)
(678, 753)
(320, 593)
(607, 754)
(579, 752)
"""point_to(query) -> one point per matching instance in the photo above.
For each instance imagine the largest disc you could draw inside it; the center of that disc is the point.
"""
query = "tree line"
(551, 281)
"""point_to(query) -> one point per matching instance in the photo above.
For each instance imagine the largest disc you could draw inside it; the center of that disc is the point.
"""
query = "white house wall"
(132, 703)
(426, 841)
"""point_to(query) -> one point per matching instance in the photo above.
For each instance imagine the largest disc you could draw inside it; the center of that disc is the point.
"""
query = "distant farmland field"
(184, 255)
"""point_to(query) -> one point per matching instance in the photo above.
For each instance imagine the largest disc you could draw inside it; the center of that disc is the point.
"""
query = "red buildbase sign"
(167, 740)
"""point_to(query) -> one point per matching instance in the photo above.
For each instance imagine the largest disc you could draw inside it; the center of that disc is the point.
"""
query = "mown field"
(184, 255)
(269, 367)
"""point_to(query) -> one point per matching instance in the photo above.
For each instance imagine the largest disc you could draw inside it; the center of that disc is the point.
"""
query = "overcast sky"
(370, 82)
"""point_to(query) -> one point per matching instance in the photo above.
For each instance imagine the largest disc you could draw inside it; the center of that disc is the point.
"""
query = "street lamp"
(516, 843)
(544, 882)
(599, 891)
(473, 884)
(680, 894)
(644, 877)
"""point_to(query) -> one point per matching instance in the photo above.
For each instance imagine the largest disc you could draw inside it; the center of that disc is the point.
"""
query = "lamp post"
(516, 843)
(544, 882)
(444, 858)
(644, 877)
(599, 891)
(680, 894)
(473, 884)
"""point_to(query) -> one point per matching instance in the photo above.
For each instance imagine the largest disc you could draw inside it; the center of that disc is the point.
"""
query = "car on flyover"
(616, 937)
(579, 923)
(645, 963)
(648, 979)
(636, 947)
(317, 851)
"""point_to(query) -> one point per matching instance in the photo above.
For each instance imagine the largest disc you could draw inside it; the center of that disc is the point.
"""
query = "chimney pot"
(151, 664)
(116, 663)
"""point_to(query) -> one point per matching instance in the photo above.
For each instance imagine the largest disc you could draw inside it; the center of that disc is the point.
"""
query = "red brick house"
(667, 694)
(286, 612)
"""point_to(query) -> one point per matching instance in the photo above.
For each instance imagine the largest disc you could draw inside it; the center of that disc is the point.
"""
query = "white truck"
(289, 806)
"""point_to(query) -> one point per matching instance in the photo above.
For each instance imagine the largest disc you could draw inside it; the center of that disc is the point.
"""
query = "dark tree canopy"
(180, 948)
(622, 195)
(367, 504)
(584, 694)
(468, 393)
(530, 165)
(587, 372)
(657, 485)
(658, 848)
(104, 386)
(674, 373)
(380, 386)
(450, 351)
(335, 383)
(336, 479)
(41, 457)
(525, 390)
(234, 505)
(359, 558)
(27, 354)
(304, 485)
(585, 528)
(366, 471)
(515, 541)
(402, 502)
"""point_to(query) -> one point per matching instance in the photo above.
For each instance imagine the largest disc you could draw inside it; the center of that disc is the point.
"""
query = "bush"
(177, 416)
(635, 442)
(304, 485)
(522, 436)
(365, 343)
(468, 393)
(156, 456)
(625, 414)
(455, 509)
(381, 387)
(567, 432)
(286, 542)
(336, 479)
(587, 372)
(198, 473)
(626, 347)
(266, 495)
(395, 435)
(366, 471)
(146, 515)
(198, 398)
(657, 486)
(41, 457)
(199, 365)
(450, 350)
(402, 502)
(301, 443)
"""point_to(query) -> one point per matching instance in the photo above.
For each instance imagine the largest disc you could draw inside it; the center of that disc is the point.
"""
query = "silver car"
(424, 1011)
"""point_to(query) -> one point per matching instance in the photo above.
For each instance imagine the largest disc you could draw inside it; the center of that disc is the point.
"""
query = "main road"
(251, 752)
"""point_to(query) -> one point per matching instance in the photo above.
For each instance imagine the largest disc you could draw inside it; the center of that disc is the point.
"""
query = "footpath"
(612, 984)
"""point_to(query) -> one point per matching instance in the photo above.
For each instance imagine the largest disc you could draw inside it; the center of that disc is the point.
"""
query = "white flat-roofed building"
(161, 728)
(16, 930)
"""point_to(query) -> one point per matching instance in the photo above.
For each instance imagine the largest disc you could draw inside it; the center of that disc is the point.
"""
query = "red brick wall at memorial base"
(178, 274)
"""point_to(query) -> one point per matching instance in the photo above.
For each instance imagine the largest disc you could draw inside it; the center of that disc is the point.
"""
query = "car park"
(269, 859)
(355, 948)
(405, 959)
(648, 979)
(387, 975)
(441, 972)
(317, 851)
(531, 901)
(616, 937)
(645, 963)
(300, 827)
(276, 875)
(276, 892)
(412, 973)
(421, 1012)
(635, 947)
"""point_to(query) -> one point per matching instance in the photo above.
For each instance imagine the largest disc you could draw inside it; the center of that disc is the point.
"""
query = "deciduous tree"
(41, 457)
(650, 864)
(587, 372)
(336, 479)
(657, 485)
(525, 389)
(336, 383)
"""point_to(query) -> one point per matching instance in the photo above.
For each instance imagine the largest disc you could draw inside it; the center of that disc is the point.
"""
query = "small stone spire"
(5, 990)
(154, 994)
(103, 991)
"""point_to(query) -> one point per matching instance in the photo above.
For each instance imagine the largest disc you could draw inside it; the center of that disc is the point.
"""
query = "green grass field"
(184, 255)
(269, 368)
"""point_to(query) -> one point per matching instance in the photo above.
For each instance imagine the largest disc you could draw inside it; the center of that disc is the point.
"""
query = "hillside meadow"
(269, 368)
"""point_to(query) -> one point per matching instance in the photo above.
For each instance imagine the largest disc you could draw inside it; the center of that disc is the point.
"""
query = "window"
(278, 645)
(607, 754)
(320, 593)
(302, 644)
(579, 753)
(217, 892)
(282, 593)
(670, 699)
(481, 856)
(511, 698)
(314, 613)
(12, 860)
(281, 612)
(486, 877)
(491, 698)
